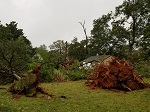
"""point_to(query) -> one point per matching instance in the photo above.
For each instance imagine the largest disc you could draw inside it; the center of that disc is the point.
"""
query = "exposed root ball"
(118, 74)
(28, 85)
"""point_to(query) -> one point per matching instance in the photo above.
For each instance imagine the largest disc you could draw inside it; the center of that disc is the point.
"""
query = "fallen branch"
(16, 76)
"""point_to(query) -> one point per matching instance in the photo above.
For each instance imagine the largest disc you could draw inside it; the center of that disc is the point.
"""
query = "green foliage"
(15, 51)
(77, 49)
(28, 85)
(123, 32)
(60, 76)
(32, 63)
(47, 72)
(100, 40)
(11, 32)
(141, 62)
(42, 54)
(143, 68)
(76, 75)
(73, 72)
(14, 56)
(134, 14)
(60, 48)
(24, 84)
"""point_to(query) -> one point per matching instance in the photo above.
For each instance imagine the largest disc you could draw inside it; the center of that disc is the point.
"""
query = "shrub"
(59, 76)
(46, 73)
(73, 72)
(143, 68)
(76, 75)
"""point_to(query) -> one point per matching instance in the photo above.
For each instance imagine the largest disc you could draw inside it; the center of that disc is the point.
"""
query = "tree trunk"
(132, 40)
(84, 29)
(16, 76)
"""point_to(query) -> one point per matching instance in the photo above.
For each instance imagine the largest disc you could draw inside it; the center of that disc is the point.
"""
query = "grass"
(78, 99)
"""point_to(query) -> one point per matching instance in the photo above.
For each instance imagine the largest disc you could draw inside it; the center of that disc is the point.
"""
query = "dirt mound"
(115, 74)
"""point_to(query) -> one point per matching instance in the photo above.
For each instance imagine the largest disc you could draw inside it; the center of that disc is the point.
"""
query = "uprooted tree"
(29, 84)
(115, 74)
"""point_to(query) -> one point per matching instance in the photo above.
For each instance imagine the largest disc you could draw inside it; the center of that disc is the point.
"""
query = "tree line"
(124, 33)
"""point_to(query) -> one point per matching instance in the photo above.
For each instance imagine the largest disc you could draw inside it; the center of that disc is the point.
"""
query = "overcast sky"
(45, 21)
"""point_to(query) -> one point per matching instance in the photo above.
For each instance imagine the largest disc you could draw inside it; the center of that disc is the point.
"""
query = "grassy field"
(78, 99)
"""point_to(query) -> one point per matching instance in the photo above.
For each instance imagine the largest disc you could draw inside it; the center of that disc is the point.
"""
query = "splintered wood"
(115, 74)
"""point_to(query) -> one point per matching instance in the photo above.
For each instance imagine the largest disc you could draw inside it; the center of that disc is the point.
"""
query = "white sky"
(45, 21)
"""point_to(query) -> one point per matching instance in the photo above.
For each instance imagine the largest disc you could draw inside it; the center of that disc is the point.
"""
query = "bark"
(84, 29)
(16, 76)
(132, 40)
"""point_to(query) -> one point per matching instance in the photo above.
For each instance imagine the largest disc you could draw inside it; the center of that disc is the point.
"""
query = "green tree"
(14, 56)
(16, 33)
(100, 40)
(59, 49)
(124, 32)
(43, 53)
(47, 59)
(77, 50)
(15, 51)
(118, 41)
(134, 16)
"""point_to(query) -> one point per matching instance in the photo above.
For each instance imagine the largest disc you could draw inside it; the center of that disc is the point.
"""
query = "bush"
(143, 68)
(4, 78)
(76, 75)
(46, 72)
(73, 72)
(59, 76)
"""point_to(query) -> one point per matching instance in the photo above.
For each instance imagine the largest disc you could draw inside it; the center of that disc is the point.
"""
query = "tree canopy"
(15, 50)
(125, 30)
(124, 33)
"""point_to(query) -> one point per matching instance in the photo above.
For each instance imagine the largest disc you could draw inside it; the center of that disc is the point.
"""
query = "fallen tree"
(29, 84)
(115, 74)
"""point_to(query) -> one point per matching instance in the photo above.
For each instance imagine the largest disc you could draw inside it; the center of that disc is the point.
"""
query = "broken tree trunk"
(16, 76)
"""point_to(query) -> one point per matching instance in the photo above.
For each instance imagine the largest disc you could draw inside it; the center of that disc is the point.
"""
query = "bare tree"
(84, 29)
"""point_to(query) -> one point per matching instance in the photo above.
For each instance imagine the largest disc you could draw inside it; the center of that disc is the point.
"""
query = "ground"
(76, 97)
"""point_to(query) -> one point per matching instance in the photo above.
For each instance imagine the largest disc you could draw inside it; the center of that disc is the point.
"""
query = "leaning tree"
(15, 51)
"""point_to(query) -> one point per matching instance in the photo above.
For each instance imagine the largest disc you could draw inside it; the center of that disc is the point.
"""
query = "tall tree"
(124, 31)
(59, 47)
(43, 53)
(100, 40)
(15, 33)
(77, 50)
(84, 29)
(15, 52)
(134, 15)
(14, 56)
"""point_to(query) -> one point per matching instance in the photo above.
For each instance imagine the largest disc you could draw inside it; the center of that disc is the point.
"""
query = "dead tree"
(84, 29)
